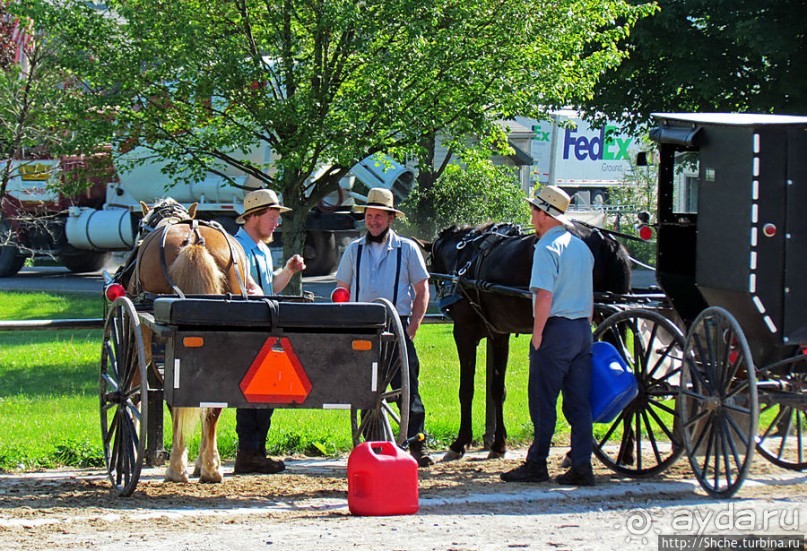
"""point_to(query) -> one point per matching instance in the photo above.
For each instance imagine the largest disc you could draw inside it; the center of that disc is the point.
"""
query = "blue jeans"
(561, 364)
(252, 426)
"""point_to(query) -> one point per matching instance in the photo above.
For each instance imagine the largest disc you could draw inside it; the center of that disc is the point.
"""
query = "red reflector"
(340, 294)
(769, 230)
(113, 291)
(645, 233)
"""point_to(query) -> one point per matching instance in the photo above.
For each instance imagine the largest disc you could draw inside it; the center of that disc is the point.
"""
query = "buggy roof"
(740, 119)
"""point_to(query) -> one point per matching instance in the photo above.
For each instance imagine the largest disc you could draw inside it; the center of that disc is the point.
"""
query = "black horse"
(488, 298)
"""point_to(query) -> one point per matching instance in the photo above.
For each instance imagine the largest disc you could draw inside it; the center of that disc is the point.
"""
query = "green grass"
(49, 393)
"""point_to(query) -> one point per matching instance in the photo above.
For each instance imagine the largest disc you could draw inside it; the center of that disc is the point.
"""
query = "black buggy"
(722, 360)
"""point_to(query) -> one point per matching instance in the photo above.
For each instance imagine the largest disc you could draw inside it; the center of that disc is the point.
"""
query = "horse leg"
(183, 421)
(209, 463)
(466, 350)
(497, 353)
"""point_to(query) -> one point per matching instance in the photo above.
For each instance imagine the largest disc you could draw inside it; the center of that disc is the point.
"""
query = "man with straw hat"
(261, 217)
(383, 264)
(560, 355)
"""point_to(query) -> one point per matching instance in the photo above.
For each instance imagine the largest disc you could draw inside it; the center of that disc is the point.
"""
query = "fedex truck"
(586, 162)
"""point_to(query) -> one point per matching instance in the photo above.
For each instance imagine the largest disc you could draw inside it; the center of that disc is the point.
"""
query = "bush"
(474, 194)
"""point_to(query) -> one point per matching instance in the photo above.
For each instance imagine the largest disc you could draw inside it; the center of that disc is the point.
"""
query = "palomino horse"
(500, 255)
(184, 256)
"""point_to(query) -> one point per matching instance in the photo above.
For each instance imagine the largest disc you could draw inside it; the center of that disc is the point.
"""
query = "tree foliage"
(326, 82)
(474, 194)
(702, 55)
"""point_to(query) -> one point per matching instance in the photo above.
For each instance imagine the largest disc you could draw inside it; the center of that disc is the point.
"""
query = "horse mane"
(195, 271)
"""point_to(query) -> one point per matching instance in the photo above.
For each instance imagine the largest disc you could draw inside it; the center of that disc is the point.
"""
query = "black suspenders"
(397, 273)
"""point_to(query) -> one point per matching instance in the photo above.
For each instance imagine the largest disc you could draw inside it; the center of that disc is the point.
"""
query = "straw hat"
(553, 201)
(258, 200)
(379, 198)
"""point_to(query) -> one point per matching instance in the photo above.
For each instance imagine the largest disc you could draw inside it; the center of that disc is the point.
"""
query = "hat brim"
(562, 218)
(362, 208)
(243, 216)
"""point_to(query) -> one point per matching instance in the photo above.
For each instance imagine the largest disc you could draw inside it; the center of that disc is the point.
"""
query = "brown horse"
(181, 255)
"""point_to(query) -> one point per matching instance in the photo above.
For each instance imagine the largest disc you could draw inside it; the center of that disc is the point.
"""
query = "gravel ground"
(463, 505)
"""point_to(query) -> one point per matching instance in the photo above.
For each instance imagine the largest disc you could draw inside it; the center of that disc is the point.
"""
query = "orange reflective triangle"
(276, 375)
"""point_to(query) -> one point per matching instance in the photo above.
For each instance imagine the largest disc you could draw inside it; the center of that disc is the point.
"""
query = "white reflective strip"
(753, 260)
(176, 372)
(756, 166)
(752, 283)
(217, 405)
(771, 326)
(335, 406)
(755, 190)
(374, 382)
(754, 213)
(753, 237)
(756, 143)
(759, 305)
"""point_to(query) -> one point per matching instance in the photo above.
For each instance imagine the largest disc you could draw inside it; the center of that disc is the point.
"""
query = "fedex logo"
(606, 146)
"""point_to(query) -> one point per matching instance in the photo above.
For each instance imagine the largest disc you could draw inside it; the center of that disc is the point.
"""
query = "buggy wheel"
(124, 396)
(718, 402)
(382, 422)
(782, 432)
(643, 440)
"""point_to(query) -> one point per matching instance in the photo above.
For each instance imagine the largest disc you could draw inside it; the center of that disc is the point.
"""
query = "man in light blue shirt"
(260, 219)
(383, 264)
(560, 355)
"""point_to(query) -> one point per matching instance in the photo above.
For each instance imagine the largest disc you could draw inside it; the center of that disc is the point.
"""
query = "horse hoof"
(451, 455)
(172, 476)
(211, 478)
(496, 455)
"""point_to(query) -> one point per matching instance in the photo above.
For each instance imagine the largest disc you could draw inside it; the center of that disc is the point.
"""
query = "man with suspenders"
(260, 219)
(383, 264)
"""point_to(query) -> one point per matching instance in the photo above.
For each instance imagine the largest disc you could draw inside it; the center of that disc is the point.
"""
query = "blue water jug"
(613, 385)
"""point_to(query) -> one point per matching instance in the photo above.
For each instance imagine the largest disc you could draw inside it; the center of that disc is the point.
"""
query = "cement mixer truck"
(83, 231)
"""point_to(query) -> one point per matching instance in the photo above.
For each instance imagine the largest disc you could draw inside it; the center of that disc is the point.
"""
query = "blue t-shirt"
(562, 264)
(259, 259)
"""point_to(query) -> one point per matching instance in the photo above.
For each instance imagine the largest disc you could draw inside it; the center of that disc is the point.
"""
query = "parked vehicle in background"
(83, 230)
(585, 162)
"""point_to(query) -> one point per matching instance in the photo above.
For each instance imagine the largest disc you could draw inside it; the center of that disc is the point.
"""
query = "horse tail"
(195, 271)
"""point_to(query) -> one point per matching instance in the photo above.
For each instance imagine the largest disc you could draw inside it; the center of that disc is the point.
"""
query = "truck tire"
(88, 261)
(597, 198)
(319, 253)
(10, 261)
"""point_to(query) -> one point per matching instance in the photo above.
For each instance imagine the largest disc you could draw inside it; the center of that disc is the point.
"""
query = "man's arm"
(283, 276)
(419, 306)
(540, 313)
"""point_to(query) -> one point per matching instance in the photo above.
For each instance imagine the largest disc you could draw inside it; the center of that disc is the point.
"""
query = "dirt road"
(463, 505)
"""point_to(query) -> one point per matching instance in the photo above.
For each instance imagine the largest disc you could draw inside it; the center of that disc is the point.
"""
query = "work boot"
(256, 463)
(577, 476)
(530, 471)
(421, 454)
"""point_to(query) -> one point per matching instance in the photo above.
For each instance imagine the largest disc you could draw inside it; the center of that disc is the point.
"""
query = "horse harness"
(482, 242)
(195, 236)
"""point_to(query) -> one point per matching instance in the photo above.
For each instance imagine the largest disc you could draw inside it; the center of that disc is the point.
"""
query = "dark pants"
(562, 364)
(417, 413)
(252, 426)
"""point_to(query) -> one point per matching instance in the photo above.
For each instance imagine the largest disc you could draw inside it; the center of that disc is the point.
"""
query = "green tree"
(701, 55)
(474, 194)
(327, 82)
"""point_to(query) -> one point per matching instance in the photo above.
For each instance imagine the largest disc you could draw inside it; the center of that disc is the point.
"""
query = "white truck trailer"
(586, 162)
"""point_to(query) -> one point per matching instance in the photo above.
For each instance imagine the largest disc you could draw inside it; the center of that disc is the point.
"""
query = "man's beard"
(380, 238)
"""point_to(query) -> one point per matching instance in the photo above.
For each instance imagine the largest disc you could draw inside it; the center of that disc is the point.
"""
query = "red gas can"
(382, 479)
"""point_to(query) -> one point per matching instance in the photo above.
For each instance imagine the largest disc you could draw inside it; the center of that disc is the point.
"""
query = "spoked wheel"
(782, 433)
(382, 422)
(718, 402)
(124, 396)
(643, 440)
